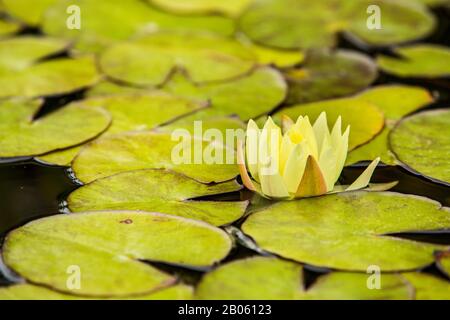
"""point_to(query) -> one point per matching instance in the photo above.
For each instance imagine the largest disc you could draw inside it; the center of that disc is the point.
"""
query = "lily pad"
(419, 61)
(30, 14)
(230, 7)
(428, 287)
(261, 278)
(8, 27)
(149, 61)
(422, 143)
(330, 74)
(350, 231)
(22, 74)
(364, 118)
(302, 24)
(21, 135)
(119, 240)
(104, 22)
(159, 191)
(33, 292)
(395, 101)
(149, 150)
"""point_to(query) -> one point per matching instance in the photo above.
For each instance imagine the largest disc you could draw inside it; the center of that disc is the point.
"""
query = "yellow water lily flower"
(300, 160)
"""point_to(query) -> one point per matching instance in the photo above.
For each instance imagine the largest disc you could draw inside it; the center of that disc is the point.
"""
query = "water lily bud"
(297, 160)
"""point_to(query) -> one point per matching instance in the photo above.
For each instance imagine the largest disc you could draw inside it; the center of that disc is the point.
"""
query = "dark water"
(29, 190)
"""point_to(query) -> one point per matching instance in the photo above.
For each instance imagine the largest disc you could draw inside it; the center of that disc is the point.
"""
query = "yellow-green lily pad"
(303, 24)
(350, 231)
(428, 287)
(27, 291)
(22, 74)
(262, 278)
(395, 101)
(230, 7)
(158, 191)
(330, 74)
(364, 118)
(443, 261)
(21, 135)
(107, 248)
(30, 12)
(8, 27)
(418, 61)
(104, 22)
(422, 143)
(151, 150)
(149, 61)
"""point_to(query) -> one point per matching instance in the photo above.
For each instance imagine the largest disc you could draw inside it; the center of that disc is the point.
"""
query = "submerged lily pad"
(116, 239)
(428, 287)
(395, 101)
(149, 61)
(230, 7)
(303, 24)
(364, 118)
(33, 292)
(151, 150)
(262, 278)
(158, 191)
(350, 231)
(422, 143)
(22, 74)
(420, 61)
(21, 135)
(330, 74)
(108, 21)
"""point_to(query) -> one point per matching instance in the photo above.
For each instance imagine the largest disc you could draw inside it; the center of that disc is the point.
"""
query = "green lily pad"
(364, 118)
(33, 292)
(31, 14)
(104, 22)
(8, 27)
(395, 101)
(302, 24)
(230, 7)
(131, 112)
(350, 231)
(22, 74)
(149, 61)
(148, 150)
(119, 240)
(158, 191)
(261, 278)
(422, 143)
(330, 74)
(21, 136)
(428, 287)
(419, 61)
(443, 261)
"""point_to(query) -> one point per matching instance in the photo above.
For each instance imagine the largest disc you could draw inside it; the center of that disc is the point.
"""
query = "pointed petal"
(295, 167)
(287, 146)
(320, 128)
(308, 132)
(273, 186)
(327, 162)
(242, 168)
(372, 187)
(341, 154)
(269, 149)
(364, 179)
(252, 145)
(286, 123)
(336, 133)
(313, 183)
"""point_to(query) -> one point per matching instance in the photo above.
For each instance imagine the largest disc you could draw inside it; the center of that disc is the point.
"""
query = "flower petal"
(364, 179)
(307, 131)
(295, 167)
(321, 130)
(242, 168)
(327, 162)
(252, 145)
(341, 154)
(286, 123)
(313, 182)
